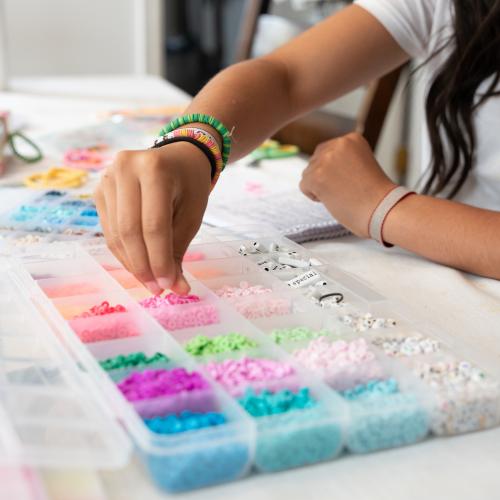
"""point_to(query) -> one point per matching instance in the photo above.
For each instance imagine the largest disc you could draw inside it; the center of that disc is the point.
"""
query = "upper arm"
(346, 50)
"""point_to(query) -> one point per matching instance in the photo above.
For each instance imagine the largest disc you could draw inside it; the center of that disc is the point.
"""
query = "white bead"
(283, 267)
(268, 265)
(243, 250)
(257, 246)
(293, 262)
(273, 247)
(321, 283)
(304, 279)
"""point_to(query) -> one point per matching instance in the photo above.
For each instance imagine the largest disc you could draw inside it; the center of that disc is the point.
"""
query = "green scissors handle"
(32, 157)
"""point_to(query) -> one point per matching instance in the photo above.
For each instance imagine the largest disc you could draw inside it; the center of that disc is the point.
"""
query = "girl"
(151, 202)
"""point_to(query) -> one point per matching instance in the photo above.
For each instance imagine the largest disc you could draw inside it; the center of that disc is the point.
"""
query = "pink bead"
(236, 374)
(342, 364)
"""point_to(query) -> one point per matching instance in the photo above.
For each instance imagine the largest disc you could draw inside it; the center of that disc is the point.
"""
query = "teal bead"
(185, 421)
(382, 417)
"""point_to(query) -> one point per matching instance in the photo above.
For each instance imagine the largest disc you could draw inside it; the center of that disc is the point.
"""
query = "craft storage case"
(176, 461)
(46, 213)
(276, 438)
(284, 440)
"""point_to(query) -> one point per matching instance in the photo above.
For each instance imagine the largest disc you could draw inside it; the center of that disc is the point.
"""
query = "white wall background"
(76, 37)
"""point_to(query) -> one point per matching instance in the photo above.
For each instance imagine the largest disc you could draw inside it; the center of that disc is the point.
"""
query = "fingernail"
(153, 287)
(165, 283)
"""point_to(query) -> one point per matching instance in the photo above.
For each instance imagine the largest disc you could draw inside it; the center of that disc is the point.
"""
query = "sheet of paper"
(249, 195)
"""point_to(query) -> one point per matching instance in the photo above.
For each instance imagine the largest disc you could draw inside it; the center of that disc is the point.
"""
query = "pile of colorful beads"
(231, 342)
(343, 364)
(467, 399)
(86, 221)
(29, 239)
(134, 359)
(382, 417)
(171, 299)
(120, 366)
(200, 461)
(412, 345)
(86, 158)
(253, 301)
(162, 392)
(231, 293)
(273, 403)
(100, 310)
(297, 437)
(89, 212)
(103, 322)
(237, 374)
(185, 421)
(195, 312)
(297, 334)
(364, 322)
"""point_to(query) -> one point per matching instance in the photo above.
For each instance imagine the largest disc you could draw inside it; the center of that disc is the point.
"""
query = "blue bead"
(381, 417)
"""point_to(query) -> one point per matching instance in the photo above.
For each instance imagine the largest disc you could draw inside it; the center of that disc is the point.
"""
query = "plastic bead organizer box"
(276, 360)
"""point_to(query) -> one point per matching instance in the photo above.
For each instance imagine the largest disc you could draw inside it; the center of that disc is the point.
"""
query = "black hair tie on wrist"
(204, 149)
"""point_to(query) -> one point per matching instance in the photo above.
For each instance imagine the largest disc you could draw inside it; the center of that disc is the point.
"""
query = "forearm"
(258, 97)
(447, 232)
(252, 97)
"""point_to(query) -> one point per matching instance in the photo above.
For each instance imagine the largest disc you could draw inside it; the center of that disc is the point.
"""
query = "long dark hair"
(452, 100)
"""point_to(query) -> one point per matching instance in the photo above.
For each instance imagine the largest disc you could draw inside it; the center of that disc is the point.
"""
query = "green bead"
(131, 360)
(232, 342)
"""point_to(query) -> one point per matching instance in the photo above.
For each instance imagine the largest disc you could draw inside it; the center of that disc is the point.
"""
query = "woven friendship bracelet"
(377, 219)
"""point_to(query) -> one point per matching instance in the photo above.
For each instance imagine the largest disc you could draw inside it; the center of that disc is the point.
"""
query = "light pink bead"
(237, 374)
(342, 364)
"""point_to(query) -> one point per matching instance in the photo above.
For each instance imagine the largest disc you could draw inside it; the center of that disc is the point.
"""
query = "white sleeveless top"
(421, 27)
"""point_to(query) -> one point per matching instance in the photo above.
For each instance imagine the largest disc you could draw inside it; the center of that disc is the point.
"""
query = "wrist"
(189, 158)
(381, 211)
(396, 221)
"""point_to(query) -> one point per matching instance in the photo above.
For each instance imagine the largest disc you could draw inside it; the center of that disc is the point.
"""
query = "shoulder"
(417, 25)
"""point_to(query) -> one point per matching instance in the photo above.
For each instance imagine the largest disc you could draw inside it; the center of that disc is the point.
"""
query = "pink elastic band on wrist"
(377, 219)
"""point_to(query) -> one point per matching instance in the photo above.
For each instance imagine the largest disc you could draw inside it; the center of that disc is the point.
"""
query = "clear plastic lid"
(51, 413)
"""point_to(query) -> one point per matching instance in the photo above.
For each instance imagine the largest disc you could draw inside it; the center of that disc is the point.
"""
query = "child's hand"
(344, 175)
(151, 204)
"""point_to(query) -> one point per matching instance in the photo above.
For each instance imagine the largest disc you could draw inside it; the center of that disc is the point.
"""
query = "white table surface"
(467, 307)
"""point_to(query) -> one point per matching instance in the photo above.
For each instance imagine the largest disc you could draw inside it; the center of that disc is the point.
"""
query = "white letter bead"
(314, 262)
(257, 246)
(242, 250)
(305, 279)
(321, 283)
(274, 247)
(268, 265)
(293, 262)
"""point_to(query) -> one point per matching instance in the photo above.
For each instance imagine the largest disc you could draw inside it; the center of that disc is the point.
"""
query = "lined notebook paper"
(247, 195)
